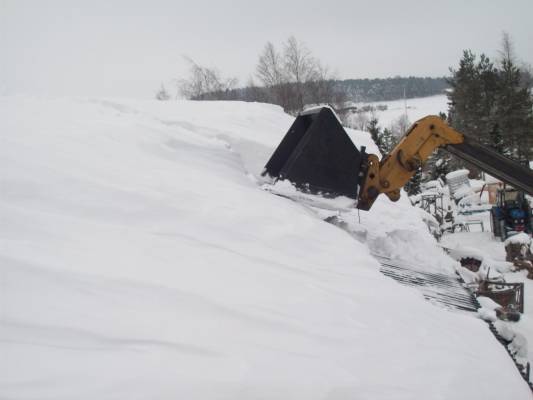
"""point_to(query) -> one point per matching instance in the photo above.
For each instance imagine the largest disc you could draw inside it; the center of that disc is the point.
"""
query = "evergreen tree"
(496, 140)
(373, 129)
(472, 98)
(387, 141)
(493, 104)
(514, 108)
(442, 167)
(413, 186)
(438, 165)
(384, 139)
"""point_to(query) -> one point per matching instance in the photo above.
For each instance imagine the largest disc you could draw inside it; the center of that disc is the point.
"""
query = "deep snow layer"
(140, 259)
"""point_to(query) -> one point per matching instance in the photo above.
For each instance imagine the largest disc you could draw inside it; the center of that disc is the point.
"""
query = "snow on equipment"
(459, 184)
(317, 156)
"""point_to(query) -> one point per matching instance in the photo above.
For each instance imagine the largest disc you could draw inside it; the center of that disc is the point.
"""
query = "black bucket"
(318, 156)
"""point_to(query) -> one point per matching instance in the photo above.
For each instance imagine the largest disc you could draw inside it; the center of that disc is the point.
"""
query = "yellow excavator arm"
(413, 150)
(317, 155)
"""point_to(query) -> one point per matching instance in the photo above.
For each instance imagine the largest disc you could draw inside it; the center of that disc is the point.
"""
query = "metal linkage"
(497, 165)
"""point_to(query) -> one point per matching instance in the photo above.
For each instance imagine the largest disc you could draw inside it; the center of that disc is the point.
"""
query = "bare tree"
(319, 87)
(269, 67)
(270, 72)
(295, 78)
(205, 83)
(300, 67)
(323, 89)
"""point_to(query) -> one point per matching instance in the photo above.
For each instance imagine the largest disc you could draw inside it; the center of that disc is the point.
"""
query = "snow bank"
(140, 258)
(487, 312)
(518, 345)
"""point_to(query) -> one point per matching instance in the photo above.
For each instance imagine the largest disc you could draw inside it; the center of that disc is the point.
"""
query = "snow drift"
(141, 259)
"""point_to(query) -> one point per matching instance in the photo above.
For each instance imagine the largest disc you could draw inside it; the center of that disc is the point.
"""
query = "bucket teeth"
(318, 156)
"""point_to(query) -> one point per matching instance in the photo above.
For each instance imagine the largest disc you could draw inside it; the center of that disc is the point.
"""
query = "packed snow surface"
(140, 259)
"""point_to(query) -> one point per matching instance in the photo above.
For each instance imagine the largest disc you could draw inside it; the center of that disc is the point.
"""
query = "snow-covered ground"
(492, 251)
(141, 259)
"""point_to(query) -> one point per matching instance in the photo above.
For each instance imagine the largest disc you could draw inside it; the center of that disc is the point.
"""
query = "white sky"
(128, 47)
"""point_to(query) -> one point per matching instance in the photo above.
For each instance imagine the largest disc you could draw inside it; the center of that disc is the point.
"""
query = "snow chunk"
(519, 343)
(488, 303)
(487, 315)
(460, 252)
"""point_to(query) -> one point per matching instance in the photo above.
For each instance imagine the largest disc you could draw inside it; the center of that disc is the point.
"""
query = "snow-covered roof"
(143, 259)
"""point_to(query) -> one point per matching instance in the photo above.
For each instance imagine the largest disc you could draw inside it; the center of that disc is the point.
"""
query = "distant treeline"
(363, 90)
(356, 90)
(293, 78)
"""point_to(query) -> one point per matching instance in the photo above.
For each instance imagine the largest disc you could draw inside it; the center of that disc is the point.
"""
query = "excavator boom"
(318, 156)
(495, 164)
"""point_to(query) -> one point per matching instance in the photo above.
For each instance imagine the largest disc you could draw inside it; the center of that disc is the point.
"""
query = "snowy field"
(415, 109)
(141, 259)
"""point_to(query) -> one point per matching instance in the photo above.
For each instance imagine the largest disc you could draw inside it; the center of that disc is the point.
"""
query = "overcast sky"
(128, 47)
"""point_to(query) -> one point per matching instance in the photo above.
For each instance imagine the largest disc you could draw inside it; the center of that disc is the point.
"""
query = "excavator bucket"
(318, 156)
